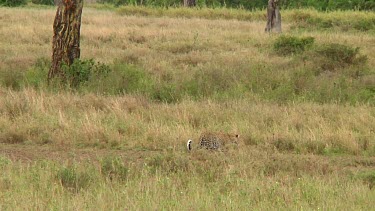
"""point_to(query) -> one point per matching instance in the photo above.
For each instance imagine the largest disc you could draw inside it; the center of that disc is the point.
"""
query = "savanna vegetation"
(321, 5)
(111, 134)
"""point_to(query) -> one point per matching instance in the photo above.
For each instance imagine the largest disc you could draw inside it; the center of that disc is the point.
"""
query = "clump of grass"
(36, 76)
(121, 79)
(284, 145)
(339, 55)
(287, 45)
(82, 70)
(113, 168)
(13, 137)
(11, 79)
(4, 161)
(168, 163)
(368, 177)
(72, 179)
(14, 106)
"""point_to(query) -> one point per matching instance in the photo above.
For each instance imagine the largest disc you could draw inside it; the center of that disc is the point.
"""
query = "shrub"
(81, 70)
(286, 45)
(12, 3)
(44, 2)
(339, 55)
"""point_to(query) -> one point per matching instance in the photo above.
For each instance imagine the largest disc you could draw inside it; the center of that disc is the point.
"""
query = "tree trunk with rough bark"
(273, 17)
(66, 36)
(189, 3)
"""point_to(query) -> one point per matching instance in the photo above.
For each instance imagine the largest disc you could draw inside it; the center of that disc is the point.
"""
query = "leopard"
(216, 141)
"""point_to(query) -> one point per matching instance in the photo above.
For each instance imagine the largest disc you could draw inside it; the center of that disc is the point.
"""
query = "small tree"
(273, 17)
(66, 36)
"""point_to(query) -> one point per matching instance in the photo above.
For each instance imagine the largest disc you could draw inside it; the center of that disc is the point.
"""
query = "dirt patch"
(27, 153)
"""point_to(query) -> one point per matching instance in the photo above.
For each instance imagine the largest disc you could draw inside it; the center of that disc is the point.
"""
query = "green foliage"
(13, 3)
(36, 76)
(255, 4)
(335, 55)
(314, 21)
(286, 45)
(114, 2)
(44, 2)
(81, 70)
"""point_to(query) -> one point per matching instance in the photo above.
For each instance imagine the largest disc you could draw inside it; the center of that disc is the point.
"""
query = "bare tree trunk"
(273, 17)
(189, 3)
(66, 35)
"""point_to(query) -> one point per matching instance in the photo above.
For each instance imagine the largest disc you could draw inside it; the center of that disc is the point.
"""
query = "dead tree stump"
(189, 3)
(273, 17)
(66, 36)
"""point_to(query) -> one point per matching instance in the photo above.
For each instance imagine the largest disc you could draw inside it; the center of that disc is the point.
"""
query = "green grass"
(179, 185)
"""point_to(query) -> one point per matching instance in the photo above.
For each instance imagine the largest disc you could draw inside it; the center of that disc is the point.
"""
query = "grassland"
(118, 141)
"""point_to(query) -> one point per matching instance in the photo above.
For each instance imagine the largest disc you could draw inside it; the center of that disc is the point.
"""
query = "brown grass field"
(91, 148)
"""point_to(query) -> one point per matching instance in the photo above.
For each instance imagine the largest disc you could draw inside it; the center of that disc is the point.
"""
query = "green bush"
(286, 45)
(81, 70)
(340, 55)
(12, 3)
(44, 2)
(256, 4)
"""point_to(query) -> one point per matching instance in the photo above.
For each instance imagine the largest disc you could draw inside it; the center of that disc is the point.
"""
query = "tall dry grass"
(129, 122)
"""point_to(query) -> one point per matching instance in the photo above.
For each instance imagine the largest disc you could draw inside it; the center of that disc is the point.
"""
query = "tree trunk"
(66, 36)
(189, 3)
(273, 17)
